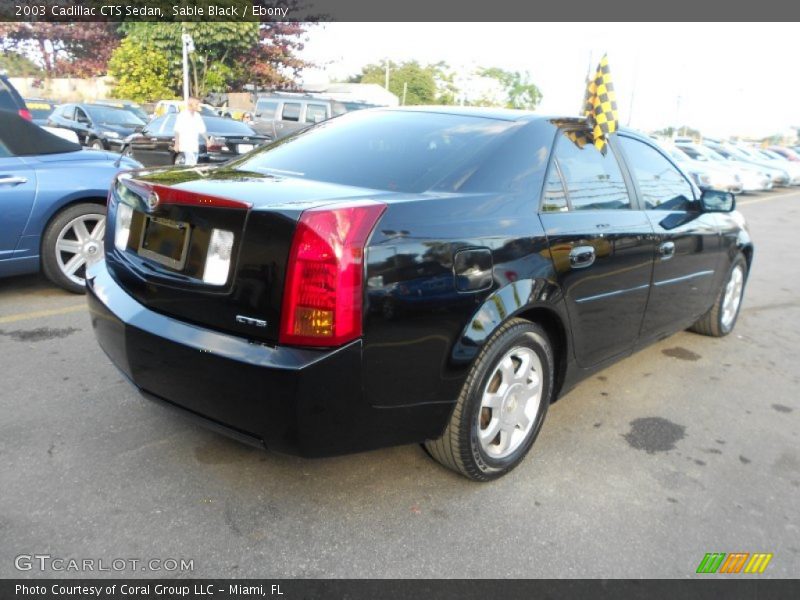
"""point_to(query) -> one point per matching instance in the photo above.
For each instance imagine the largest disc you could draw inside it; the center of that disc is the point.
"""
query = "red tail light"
(324, 282)
(25, 114)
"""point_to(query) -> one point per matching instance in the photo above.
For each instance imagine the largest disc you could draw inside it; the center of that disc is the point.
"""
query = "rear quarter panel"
(421, 333)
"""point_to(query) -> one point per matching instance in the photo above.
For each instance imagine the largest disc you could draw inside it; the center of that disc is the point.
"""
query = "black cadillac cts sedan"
(434, 275)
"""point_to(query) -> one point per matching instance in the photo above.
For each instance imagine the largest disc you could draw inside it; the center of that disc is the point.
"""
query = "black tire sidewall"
(522, 335)
(97, 144)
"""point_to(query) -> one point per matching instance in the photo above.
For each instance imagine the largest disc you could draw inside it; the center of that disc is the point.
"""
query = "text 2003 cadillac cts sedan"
(408, 275)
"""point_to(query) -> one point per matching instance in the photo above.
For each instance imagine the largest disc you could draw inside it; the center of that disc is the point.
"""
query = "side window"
(316, 113)
(68, 113)
(80, 116)
(594, 181)
(662, 186)
(555, 196)
(266, 109)
(4, 152)
(291, 111)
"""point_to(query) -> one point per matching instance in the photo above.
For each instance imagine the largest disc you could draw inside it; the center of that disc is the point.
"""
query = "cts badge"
(250, 321)
(152, 201)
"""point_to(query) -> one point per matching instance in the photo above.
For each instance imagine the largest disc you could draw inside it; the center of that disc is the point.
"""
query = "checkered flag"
(600, 106)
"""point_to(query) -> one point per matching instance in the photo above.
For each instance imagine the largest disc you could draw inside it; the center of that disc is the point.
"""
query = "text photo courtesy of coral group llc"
(334, 299)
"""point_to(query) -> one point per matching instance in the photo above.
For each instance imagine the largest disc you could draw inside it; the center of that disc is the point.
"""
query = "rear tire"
(180, 159)
(721, 318)
(507, 391)
(72, 241)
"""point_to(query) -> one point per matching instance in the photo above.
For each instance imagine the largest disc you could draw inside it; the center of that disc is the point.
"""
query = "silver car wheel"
(733, 297)
(79, 244)
(510, 402)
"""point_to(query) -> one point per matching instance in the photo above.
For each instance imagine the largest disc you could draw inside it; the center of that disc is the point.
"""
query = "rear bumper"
(297, 401)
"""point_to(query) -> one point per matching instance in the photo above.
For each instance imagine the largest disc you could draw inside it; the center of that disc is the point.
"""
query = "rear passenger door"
(602, 247)
(688, 245)
(288, 121)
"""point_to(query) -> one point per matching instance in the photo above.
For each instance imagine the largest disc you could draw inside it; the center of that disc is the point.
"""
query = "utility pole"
(386, 85)
(405, 89)
(188, 46)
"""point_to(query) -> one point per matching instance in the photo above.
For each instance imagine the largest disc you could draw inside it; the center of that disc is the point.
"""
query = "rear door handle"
(12, 180)
(666, 250)
(581, 257)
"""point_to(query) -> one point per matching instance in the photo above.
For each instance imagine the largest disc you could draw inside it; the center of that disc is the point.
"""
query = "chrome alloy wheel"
(733, 296)
(79, 244)
(510, 402)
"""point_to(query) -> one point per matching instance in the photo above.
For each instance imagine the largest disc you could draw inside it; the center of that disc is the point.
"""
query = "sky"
(724, 79)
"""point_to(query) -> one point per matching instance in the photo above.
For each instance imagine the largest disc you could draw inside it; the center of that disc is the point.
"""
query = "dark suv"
(98, 126)
(279, 115)
(11, 100)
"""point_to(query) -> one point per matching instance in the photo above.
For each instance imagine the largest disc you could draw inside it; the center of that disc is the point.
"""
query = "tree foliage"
(227, 54)
(140, 72)
(423, 84)
(17, 65)
(520, 91)
(63, 49)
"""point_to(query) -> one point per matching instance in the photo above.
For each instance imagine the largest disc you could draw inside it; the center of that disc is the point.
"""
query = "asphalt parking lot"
(691, 446)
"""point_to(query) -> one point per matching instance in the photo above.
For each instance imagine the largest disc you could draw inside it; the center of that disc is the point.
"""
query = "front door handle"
(12, 180)
(666, 250)
(581, 257)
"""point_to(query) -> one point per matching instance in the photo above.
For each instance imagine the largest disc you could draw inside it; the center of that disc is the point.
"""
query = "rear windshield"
(113, 116)
(383, 150)
(9, 98)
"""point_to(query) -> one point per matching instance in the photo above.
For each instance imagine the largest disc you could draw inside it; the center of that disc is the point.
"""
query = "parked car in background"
(781, 162)
(154, 145)
(263, 269)
(99, 127)
(278, 115)
(787, 153)
(166, 107)
(705, 173)
(128, 105)
(11, 100)
(40, 109)
(53, 199)
(752, 178)
(779, 177)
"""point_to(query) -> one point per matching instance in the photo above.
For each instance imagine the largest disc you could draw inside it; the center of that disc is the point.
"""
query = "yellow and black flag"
(600, 106)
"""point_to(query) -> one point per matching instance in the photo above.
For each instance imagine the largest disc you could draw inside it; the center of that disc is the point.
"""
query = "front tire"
(180, 159)
(502, 405)
(97, 145)
(721, 318)
(72, 241)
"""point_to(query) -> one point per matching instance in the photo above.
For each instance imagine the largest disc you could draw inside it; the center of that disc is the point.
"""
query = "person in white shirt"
(189, 126)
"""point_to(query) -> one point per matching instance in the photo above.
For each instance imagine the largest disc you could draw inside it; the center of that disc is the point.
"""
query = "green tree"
(141, 73)
(520, 91)
(423, 84)
(227, 54)
(216, 45)
(17, 65)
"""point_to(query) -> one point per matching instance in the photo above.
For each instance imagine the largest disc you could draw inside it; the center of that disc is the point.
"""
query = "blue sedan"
(53, 202)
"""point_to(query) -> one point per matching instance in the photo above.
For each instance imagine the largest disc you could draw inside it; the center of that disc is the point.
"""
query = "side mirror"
(717, 201)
